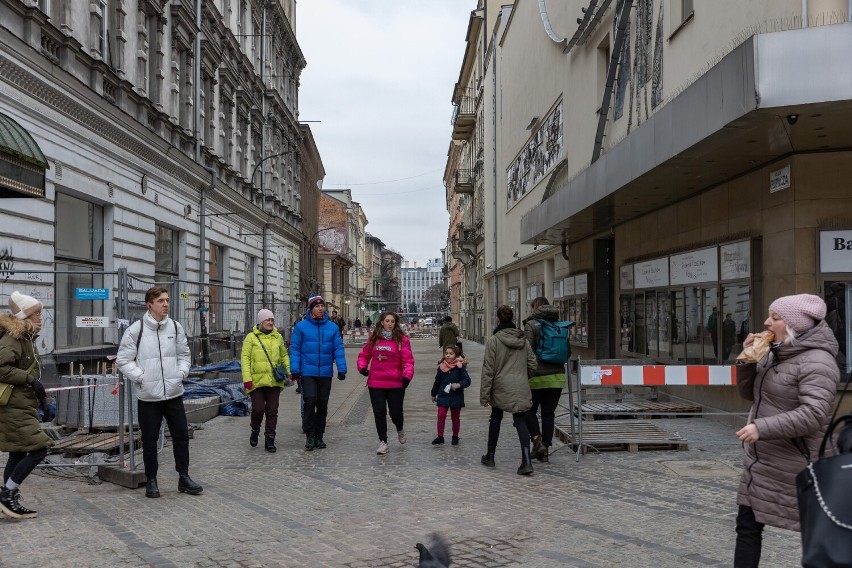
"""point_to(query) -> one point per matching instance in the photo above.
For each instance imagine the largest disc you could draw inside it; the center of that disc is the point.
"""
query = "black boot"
(255, 434)
(319, 444)
(543, 455)
(269, 444)
(487, 459)
(187, 485)
(309, 443)
(537, 447)
(151, 489)
(10, 506)
(526, 467)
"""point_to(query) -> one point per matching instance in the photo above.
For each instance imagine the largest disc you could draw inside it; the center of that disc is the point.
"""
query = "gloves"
(341, 376)
(364, 372)
(249, 385)
(405, 381)
(38, 389)
(296, 377)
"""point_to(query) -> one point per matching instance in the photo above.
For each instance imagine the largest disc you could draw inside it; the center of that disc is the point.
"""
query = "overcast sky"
(380, 77)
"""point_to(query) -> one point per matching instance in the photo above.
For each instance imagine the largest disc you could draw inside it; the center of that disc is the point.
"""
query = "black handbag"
(824, 492)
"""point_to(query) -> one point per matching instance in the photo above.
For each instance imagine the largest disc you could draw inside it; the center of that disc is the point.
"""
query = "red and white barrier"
(658, 375)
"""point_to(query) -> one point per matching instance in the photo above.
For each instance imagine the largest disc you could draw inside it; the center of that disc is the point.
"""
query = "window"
(79, 256)
(166, 247)
(216, 272)
(250, 271)
(686, 9)
(98, 28)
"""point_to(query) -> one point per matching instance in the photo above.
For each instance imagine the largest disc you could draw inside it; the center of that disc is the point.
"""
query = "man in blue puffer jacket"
(315, 347)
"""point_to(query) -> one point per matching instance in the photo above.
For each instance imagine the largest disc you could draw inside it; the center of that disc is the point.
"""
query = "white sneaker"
(383, 448)
(401, 436)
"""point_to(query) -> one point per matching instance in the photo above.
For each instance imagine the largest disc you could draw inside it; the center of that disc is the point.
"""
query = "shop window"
(626, 313)
(677, 325)
(736, 320)
(838, 301)
(577, 312)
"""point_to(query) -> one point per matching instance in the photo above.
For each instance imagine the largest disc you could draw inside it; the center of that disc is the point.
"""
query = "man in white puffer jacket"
(157, 362)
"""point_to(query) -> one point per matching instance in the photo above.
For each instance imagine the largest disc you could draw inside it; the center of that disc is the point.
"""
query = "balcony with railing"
(464, 181)
(464, 115)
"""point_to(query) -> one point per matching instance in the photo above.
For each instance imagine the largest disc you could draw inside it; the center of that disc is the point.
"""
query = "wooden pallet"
(632, 436)
(640, 408)
(107, 442)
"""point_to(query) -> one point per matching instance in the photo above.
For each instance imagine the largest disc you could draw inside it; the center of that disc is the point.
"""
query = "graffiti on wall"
(7, 263)
(543, 151)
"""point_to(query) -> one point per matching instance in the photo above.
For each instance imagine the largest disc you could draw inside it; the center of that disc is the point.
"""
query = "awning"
(22, 163)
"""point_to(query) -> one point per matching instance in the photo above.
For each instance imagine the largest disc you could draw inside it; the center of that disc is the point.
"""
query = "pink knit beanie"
(801, 312)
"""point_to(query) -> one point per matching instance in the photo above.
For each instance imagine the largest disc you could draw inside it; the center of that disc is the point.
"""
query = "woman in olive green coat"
(263, 349)
(20, 431)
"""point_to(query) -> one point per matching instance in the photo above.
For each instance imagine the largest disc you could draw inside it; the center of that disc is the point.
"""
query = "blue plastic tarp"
(234, 401)
(232, 366)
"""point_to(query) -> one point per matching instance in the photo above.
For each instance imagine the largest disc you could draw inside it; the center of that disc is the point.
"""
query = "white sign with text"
(735, 260)
(651, 273)
(835, 251)
(694, 267)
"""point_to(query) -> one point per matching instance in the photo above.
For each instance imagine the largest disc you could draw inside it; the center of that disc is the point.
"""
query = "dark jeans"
(21, 464)
(548, 400)
(386, 401)
(264, 402)
(521, 421)
(151, 416)
(315, 394)
(749, 539)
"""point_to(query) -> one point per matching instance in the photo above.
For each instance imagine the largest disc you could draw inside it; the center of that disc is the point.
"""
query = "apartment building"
(423, 287)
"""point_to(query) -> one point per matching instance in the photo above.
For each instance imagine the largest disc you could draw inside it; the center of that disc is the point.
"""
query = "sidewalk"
(347, 507)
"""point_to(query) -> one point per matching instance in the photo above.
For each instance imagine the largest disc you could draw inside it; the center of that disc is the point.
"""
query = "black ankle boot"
(537, 447)
(543, 455)
(187, 485)
(487, 459)
(151, 489)
(269, 444)
(526, 467)
(255, 434)
(10, 506)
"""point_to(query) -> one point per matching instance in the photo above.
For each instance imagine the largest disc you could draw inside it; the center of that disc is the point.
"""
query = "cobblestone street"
(344, 506)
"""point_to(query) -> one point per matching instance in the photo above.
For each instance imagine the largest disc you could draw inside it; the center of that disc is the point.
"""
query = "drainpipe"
(202, 256)
(262, 153)
(804, 14)
(494, 167)
(197, 81)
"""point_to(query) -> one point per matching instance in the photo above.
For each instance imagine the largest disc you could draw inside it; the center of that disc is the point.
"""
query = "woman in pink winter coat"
(387, 362)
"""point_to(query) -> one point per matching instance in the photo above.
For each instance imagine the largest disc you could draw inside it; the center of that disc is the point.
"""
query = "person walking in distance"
(546, 383)
(154, 355)
(508, 364)
(451, 379)
(338, 320)
(449, 334)
(315, 348)
(20, 432)
(792, 389)
(263, 349)
(387, 362)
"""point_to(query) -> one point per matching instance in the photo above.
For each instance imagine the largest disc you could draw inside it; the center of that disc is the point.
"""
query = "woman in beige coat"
(508, 364)
(793, 389)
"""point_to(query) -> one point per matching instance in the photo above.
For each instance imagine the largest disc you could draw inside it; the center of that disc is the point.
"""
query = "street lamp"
(265, 225)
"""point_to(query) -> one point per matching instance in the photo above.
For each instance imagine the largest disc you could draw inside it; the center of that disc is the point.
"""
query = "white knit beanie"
(23, 306)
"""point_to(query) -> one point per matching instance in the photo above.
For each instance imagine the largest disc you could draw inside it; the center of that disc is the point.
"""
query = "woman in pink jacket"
(387, 362)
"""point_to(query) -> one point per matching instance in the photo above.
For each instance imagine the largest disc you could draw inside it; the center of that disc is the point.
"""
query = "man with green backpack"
(549, 340)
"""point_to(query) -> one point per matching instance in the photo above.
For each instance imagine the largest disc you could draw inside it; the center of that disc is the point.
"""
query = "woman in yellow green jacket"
(263, 350)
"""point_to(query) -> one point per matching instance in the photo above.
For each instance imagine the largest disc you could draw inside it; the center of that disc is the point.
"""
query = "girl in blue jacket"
(451, 379)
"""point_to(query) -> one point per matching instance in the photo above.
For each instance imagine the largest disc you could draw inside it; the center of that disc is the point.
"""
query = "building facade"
(423, 290)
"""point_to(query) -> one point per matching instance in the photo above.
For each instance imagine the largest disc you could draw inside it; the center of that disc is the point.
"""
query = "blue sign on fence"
(91, 293)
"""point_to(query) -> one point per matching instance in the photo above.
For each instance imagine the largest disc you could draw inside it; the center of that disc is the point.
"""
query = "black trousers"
(315, 394)
(151, 416)
(386, 401)
(548, 401)
(21, 464)
(521, 421)
(749, 539)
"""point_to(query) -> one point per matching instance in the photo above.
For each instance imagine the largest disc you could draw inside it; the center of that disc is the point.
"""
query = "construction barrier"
(628, 372)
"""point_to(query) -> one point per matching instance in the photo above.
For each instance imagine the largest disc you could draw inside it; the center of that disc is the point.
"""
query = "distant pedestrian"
(387, 362)
(451, 379)
(315, 349)
(341, 323)
(729, 335)
(154, 355)
(792, 389)
(449, 334)
(369, 323)
(20, 432)
(357, 323)
(263, 349)
(508, 364)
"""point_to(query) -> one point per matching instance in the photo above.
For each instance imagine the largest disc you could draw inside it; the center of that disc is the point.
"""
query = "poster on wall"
(694, 267)
(581, 283)
(651, 273)
(735, 260)
(835, 251)
(568, 286)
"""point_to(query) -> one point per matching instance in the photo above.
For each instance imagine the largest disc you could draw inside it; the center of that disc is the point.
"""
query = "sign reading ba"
(91, 293)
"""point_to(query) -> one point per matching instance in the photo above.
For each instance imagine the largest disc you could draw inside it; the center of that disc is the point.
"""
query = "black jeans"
(749, 539)
(315, 394)
(264, 402)
(21, 464)
(386, 401)
(548, 400)
(151, 414)
(521, 421)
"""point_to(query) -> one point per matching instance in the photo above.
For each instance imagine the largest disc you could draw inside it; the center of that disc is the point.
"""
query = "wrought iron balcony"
(464, 115)
(464, 181)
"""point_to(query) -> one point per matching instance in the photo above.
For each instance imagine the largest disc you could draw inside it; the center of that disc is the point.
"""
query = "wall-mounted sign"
(91, 293)
(626, 277)
(581, 283)
(568, 286)
(92, 321)
(735, 260)
(835, 251)
(651, 273)
(557, 289)
(779, 179)
(694, 266)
